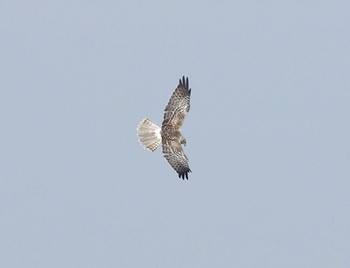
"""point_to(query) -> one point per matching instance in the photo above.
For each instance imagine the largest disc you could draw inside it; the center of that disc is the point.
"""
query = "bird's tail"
(149, 134)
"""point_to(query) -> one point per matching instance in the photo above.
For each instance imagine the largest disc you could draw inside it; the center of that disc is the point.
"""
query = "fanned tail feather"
(149, 134)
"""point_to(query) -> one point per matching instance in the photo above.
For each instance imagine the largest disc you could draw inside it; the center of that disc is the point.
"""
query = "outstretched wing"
(178, 105)
(176, 157)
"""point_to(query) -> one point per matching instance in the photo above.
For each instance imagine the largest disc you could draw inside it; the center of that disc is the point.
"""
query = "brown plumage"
(150, 135)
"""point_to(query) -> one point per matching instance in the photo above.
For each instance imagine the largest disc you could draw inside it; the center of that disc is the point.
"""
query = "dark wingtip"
(184, 83)
(184, 174)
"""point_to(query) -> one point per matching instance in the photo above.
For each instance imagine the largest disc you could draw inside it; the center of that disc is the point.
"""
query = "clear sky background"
(268, 134)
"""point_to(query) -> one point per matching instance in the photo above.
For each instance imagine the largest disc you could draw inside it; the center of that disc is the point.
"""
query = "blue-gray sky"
(267, 134)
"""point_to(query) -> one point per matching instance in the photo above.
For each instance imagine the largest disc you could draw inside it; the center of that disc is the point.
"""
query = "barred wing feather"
(178, 105)
(176, 157)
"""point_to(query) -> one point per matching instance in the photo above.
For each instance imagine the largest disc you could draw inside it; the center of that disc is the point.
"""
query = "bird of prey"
(150, 135)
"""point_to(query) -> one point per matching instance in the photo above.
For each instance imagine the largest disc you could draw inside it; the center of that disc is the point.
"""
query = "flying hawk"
(150, 135)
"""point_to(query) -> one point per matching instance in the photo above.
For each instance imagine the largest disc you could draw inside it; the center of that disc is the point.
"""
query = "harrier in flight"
(150, 135)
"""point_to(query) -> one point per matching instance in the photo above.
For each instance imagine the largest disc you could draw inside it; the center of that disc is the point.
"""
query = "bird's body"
(151, 136)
